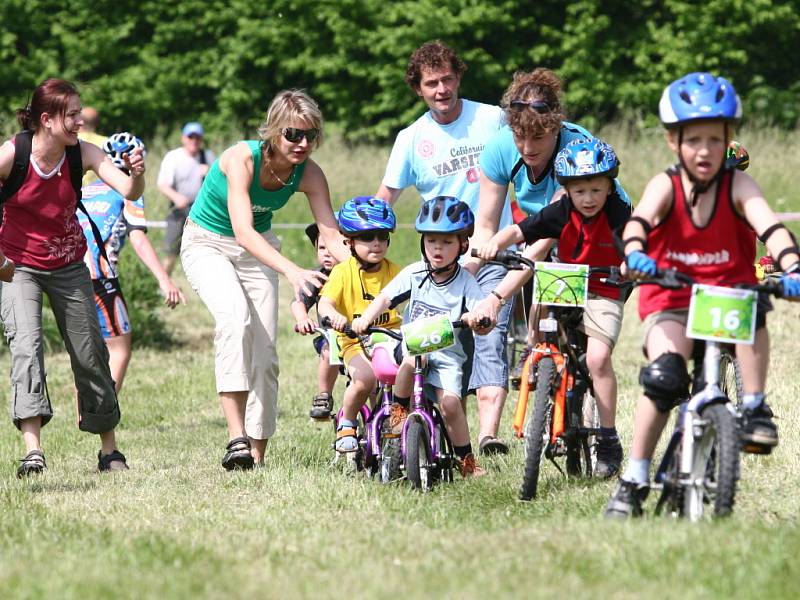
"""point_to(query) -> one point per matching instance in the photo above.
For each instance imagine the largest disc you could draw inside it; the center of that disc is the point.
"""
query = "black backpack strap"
(75, 168)
(98, 237)
(19, 170)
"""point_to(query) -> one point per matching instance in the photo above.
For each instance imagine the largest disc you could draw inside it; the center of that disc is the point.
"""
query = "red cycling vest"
(720, 253)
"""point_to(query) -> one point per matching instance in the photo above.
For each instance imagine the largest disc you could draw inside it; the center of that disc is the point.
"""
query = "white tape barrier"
(786, 216)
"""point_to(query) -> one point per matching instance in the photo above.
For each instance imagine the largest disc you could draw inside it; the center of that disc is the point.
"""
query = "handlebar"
(515, 260)
(393, 333)
(674, 279)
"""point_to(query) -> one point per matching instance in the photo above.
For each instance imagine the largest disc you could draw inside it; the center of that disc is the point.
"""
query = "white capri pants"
(242, 295)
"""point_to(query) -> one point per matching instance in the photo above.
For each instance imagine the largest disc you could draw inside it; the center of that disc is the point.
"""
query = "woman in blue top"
(232, 260)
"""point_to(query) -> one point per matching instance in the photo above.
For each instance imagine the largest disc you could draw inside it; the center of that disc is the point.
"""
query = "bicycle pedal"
(757, 449)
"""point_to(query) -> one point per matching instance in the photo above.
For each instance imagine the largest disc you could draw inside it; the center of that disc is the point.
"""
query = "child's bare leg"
(604, 380)
(404, 381)
(666, 336)
(758, 431)
(326, 372)
(455, 421)
(362, 382)
(754, 360)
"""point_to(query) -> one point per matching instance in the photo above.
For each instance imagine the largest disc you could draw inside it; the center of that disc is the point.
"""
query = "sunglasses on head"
(294, 134)
(369, 236)
(538, 106)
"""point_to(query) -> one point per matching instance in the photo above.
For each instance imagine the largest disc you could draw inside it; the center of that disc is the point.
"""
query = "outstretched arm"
(147, 254)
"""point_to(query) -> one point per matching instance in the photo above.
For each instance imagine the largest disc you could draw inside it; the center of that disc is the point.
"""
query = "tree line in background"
(151, 63)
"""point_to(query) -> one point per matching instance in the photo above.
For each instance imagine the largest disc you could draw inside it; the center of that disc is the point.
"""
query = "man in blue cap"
(180, 178)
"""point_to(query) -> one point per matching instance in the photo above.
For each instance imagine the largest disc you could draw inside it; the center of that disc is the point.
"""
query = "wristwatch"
(503, 301)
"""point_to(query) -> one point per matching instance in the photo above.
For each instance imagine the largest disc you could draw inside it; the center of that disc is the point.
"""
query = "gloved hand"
(791, 285)
(638, 262)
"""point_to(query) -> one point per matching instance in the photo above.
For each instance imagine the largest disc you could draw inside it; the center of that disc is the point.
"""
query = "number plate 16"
(722, 314)
(428, 335)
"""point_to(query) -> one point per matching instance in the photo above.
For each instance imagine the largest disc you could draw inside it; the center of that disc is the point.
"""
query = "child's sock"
(403, 401)
(638, 470)
(752, 401)
(463, 451)
(608, 433)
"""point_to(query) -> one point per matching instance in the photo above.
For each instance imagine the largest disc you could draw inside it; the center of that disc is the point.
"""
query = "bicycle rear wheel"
(716, 465)
(536, 434)
(730, 377)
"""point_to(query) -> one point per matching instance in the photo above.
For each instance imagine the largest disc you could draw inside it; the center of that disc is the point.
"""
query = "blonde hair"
(287, 107)
(542, 85)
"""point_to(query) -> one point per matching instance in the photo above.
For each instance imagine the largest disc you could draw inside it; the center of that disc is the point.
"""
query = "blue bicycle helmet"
(445, 214)
(582, 159)
(699, 96)
(366, 213)
(122, 143)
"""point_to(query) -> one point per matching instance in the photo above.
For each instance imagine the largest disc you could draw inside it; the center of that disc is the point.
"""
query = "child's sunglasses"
(370, 236)
(538, 106)
(294, 134)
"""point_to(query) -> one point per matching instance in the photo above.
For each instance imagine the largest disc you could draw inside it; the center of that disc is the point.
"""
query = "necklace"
(281, 181)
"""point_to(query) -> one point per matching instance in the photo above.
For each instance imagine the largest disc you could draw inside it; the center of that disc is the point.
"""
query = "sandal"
(111, 462)
(346, 437)
(492, 445)
(237, 454)
(32, 464)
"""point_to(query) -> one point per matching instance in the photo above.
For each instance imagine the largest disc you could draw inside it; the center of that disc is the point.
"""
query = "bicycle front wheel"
(419, 469)
(536, 434)
(716, 465)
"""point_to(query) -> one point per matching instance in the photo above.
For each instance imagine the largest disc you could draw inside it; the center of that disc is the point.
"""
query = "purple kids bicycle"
(426, 452)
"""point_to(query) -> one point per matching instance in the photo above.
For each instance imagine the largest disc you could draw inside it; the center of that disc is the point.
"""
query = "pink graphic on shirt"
(425, 148)
(473, 175)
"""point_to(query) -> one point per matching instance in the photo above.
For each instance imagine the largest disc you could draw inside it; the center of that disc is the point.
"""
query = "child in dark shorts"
(322, 402)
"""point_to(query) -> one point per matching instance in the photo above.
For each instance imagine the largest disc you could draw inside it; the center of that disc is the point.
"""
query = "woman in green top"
(232, 260)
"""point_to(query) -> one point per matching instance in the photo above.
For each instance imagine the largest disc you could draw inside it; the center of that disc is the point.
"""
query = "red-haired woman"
(42, 253)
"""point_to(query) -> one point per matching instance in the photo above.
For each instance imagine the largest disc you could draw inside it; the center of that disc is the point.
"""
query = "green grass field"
(177, 526)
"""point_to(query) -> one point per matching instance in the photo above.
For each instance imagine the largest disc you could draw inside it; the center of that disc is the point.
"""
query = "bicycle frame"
(424, 410)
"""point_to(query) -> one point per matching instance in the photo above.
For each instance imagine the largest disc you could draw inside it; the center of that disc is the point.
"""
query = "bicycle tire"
(671, 497)
(717, 463)
(418, 460)
(730, 377)
(390, 466)
(590, 420)
(535, 433)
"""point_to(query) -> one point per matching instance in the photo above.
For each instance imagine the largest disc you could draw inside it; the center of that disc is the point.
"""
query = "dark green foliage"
(159, 63)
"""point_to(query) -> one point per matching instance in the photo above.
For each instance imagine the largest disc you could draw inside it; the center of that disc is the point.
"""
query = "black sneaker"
(627, 500)
(321, 407)
(758, 432)
(609, 457)
(32, 464)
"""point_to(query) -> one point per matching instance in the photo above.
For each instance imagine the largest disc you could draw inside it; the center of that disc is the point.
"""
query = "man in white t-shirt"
(438, 155)
(180, 179)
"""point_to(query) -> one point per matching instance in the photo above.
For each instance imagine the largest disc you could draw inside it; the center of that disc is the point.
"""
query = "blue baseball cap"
(193, 128)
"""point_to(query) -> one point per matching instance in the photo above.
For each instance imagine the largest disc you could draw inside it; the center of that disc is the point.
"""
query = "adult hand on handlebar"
(305, 281)
(486, 252)
(480, 324)
(640, 265)
(360, 325)
(305, 326)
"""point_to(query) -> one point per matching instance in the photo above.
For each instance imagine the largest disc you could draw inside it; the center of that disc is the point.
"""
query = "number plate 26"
(428, 335)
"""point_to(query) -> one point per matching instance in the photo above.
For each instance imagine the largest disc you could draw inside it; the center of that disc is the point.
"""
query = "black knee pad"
(666, 381)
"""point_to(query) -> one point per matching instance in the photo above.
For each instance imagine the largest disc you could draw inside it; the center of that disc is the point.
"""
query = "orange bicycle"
(565, 421)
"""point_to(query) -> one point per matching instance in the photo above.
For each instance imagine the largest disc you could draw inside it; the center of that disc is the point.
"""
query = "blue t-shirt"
(442, 160)
(115, 217)
(426, 298)
(501, 156)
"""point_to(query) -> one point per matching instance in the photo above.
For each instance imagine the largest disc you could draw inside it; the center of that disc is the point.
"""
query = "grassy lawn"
(177, 526)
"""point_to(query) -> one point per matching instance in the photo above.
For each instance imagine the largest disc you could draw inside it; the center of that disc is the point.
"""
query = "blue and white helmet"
(366, 213)
(445, 214)
(699, 96)
(122, 143)
(581, 159)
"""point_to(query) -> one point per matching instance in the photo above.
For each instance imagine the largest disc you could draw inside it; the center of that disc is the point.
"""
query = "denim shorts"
(492, 368)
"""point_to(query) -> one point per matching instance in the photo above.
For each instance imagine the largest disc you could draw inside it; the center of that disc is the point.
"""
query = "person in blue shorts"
(433, 286)
(439, 155)
(522, 154)
(117, 220)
